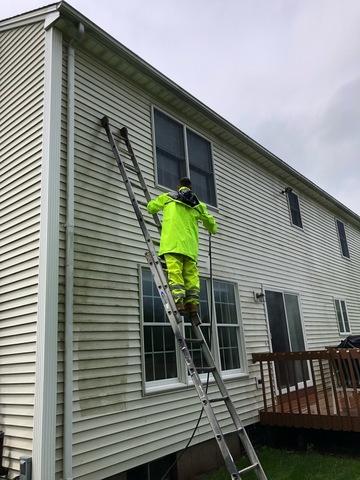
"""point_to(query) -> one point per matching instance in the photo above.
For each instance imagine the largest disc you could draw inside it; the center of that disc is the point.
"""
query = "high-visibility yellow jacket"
(180, 232)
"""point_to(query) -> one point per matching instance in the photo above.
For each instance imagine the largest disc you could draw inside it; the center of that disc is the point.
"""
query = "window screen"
(294, 209)
(342, 316)
(159, 340)
(181, 152)
(342, 239)
(227, 325)
(170, 150)
(200, 163)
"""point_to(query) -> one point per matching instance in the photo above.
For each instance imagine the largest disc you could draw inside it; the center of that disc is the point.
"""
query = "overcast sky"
(286, 72)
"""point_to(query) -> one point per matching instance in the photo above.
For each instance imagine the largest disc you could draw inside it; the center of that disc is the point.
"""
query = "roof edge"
(65, 8)
(68, 11)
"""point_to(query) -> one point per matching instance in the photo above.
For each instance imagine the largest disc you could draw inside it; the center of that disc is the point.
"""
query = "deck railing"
(313, 389)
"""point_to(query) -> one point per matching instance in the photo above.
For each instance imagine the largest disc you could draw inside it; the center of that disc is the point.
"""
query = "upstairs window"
(342, 316)
(181, 152)
(342, 239)
(294, 207)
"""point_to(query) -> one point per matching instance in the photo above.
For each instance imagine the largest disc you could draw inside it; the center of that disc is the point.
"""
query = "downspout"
(69, 264)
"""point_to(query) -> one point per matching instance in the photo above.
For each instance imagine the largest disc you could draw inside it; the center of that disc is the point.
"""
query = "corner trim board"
(44, 444)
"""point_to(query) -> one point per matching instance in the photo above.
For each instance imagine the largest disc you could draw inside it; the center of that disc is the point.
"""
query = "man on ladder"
(179, 242)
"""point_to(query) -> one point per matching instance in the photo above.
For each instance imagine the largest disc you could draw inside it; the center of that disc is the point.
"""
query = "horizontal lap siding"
(115, 426)
(21, 114)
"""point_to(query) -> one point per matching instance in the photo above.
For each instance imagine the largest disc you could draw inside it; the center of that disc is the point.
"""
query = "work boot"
(180, 308)
(193, 312)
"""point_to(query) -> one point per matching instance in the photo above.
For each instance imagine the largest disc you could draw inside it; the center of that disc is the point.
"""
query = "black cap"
(185, 182)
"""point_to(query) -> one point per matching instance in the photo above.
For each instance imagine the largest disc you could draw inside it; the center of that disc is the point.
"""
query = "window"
(294, 206)
(342, 316)
(159, 341)
(181, 152)
(227, 325)
(342, 239)
(283, 311)
(163, 363)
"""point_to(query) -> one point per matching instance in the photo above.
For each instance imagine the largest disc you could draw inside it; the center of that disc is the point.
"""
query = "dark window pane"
(339, 315)
(170, 151)
(225, 304)
(204, 307)
(159, 341)
(294, 321)
(342, 238)
(345, 317)
(169, 169)
(201, 169)
(148, 309)
(149, 369)
(294, 209)
(148, 340)
(277, 320)
(229, 348)
(196, 350)
(159, 312)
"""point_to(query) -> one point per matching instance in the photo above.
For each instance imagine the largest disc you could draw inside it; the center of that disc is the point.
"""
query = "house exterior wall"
(21, 122)
(117, 427)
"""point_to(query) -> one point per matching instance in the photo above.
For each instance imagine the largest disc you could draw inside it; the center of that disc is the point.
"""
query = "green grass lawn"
(284, 465)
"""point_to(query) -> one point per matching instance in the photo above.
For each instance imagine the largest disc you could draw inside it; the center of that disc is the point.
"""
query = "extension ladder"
(131, 165)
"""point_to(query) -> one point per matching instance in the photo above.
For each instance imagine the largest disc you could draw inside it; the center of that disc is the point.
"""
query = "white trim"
(69, 274)
(47, 324)
(28, 18)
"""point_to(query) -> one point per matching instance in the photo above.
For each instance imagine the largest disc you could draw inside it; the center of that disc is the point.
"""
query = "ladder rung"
(130, 167)
(248, 469)
(218, 399)
(149, 222)
(194, 340)
(122, 149)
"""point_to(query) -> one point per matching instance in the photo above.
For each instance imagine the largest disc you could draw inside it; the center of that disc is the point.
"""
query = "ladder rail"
(106, 125)
(125, 136)
(198, 384)
(175, 319)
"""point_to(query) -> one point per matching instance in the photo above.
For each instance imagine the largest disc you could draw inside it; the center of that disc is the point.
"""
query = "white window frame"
(183, 379)
(342, 332)
(187, 163)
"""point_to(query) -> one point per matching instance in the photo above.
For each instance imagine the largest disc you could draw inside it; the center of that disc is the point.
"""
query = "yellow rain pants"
(183, 278)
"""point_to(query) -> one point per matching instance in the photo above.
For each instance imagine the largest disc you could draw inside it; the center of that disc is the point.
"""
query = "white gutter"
(69, 274)
(69, 262)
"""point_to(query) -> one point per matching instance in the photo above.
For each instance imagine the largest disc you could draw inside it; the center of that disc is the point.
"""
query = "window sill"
(168, 387)
(171, 387)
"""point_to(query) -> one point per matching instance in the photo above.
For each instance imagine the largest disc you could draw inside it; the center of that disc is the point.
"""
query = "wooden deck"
(315, 389)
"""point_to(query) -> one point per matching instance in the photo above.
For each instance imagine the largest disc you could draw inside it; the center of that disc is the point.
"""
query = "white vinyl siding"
(114, 423)
(21, 117)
